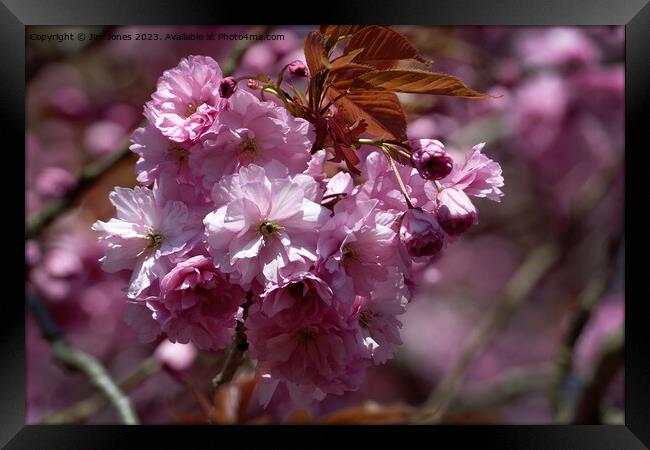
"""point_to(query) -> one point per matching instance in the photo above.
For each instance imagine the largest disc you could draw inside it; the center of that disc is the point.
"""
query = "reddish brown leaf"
(344, 75)
(415, 81)
(333, 33)
(381, 111)
(315, 52)
(383, 47)
(346, 59)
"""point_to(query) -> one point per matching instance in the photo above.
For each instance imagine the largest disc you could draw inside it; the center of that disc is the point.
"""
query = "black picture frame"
(15, 15)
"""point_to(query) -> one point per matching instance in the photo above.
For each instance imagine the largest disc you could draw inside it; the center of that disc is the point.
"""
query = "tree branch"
(588, 408)
(513, 384)
(88, 407)
(76, 359)
(589, 298)
(538, 263)
(238, 348)
(55, 208)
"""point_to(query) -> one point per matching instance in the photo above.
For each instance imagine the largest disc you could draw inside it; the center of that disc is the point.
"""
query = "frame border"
(15, 15)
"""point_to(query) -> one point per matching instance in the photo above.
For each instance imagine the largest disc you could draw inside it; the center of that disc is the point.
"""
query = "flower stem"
(399, 178)
(236, 353)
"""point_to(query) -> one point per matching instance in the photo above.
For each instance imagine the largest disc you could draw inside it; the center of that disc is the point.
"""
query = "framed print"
(253, 225)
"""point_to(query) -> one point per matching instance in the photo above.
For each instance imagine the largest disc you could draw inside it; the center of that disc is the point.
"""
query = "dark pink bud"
(298, 69)
(430, 159)
(227, 87)
(420, 233)
(455, 211)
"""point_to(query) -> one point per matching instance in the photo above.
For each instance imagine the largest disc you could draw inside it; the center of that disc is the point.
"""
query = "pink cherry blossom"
(356, 246)
(186, 102)
(377, 313)
(197, 304)
(478, 176)
(267, 222)
(300, 338)
(175, 355)
(381, 184)
(251, 131)
(158, 155)
(147, 234)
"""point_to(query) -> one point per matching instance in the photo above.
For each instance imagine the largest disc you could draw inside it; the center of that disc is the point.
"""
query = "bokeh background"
(517, 322)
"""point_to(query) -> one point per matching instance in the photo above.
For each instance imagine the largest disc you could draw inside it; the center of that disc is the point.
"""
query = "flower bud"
(430, 159)
(420, 233)
(227, 87)
(298, 69)
(455, 211)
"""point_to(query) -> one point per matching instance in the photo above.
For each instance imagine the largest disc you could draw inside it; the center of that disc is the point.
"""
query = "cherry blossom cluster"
(240, 226)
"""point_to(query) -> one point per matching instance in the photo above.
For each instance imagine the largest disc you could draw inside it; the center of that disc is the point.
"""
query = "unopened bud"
(420, 233)
(430, 159)
(298, 69)
(455, 211)
(227, 87)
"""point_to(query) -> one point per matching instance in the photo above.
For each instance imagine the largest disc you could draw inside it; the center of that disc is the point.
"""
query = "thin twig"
(88, 407)
(514, 384)
(538, 263)
(588, 408)
(237, 349)
(398, 177)
(76, 359)
(589, 298)
(55, 208)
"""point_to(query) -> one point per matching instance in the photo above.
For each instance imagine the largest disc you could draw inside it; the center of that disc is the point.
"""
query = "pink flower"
(301, 339)
(265, 222)
(420, 233)
(381, 184)
(158, 155)
(315, 167)
(186, 102)
(138, 316)
(430, 159)
(148, 232)
(251, 132)
(198, 304)
(340, 184)
(176, 356)
(377, 313)
(356, 246)
(455, 211)
(479, 176)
